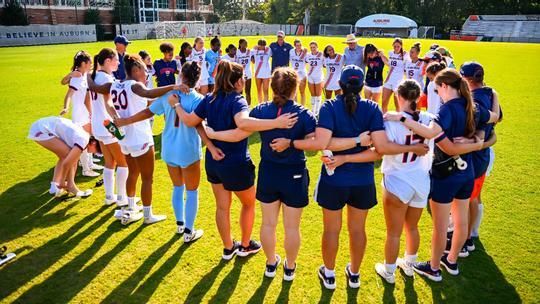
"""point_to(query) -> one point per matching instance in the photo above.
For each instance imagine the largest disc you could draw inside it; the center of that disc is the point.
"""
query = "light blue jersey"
(212, 58)
(180, 144)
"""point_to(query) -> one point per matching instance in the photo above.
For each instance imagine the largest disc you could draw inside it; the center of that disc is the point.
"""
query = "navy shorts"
(446, 189)
(286, 183)
(336, 197)
(234, 177)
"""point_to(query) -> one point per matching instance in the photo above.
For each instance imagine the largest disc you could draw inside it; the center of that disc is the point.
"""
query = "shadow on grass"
(66, 282)
(326, 294)
(228, 285)
(260, 293)
(283, 296)
(479, 281)
(202, 287)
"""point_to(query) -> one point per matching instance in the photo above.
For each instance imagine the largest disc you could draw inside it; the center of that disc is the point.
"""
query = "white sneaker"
(193, 236)
(90, 173)
(270, 270)
(388, 277)
(85, 193)
(404, 265)
(154, 219)
(353, 280)
(110, 201)
(96, 167)
(129, 216)
(122, 203)
(180, 229)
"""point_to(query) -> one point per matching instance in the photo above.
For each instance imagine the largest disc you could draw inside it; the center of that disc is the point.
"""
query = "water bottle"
(330, 155)
(113, 129)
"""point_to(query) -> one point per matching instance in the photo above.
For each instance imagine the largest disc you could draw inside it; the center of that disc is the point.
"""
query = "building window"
(162, 3)
(181, 4)
(67, 2)
(30, 2)
(101, 3)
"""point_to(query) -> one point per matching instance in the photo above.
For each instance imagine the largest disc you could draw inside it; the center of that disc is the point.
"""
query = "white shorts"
(38, 134)
(392, 84)
(373, 89)
(301, 76)
(136, 151)
(247, 73)
(491, 161)
(333, 85)
(316, 79)
(264, 74)
(405, 192)
(107, 140)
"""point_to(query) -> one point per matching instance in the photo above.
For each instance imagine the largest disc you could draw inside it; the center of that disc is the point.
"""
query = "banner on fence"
(46, 34)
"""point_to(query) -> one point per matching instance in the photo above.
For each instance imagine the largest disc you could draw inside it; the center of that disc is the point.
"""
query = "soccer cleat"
(193, 236)
(271, 270)
(328, 282)
(180, 229)
(424, 268)
(127, 217)
(353, 279)
(390, 278)
(4, 258)
(288, 273)
(463, 253)
(90, 173)
(470, 245)
(252, 248)
(404, 265)
(85, 193)
(154, 219)
(96, 167)
(122, 203)
(228, 254)
(110, 200)
(452, 268)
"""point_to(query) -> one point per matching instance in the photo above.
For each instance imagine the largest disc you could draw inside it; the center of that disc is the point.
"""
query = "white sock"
(390, 268)
(411, 258)
(450, 223)
(329, 273)
(84, 160)
(131, 203)
(108, 182)
(121, 179)
(478, 221)
(53, 188)
(90, 159)
(316, 105)
(147, 211)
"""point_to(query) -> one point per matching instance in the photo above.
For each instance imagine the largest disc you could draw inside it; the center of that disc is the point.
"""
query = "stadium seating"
(514, 28)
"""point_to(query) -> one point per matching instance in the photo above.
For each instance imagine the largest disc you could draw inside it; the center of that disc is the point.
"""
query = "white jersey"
(434, 101)
(262, 62)
(128, 104)
(333, 72)
(79, 113)
(150, 72)
(62, 128)
(228, 58)
(409, 167)
(315, 65)
(99, 113)
(199, 56)
(397, 67)
(244, 58)
(298, 62)
(413, 70)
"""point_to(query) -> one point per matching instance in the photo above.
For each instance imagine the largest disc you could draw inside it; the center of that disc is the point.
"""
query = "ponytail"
(94, 67)
(131, 61)
(104, 54)
(410, 90)
(351, 91)
(191, 71)
(228, 73)
(453, 79)
(284, 83)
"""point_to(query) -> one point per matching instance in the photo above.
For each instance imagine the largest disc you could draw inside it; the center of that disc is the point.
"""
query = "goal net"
(335, 29)
(427, 32)
(179, 29)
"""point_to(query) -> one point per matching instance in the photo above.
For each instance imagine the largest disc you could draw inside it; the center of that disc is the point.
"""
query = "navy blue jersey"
(374, 75)
(219, 113)
(334, 117)
(120, 73)
(483, 98)
(165, 71)
(305, 125)
(280, 54)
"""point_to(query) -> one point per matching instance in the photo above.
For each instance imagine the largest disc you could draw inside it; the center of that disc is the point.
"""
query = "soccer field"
(74, 250)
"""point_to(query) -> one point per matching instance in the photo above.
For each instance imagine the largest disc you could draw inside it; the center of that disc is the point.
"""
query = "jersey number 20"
(119, 100)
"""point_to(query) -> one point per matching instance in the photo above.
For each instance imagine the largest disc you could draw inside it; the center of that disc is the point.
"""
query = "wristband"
(176, 105)
(358, 141)
(403, 118)
(291, 144)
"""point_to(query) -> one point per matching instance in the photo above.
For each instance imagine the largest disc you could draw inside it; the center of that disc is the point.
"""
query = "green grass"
(74, 251)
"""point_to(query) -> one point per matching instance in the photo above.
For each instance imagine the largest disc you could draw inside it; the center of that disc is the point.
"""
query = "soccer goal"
(426, 32)
(179, 29)
(335, 29)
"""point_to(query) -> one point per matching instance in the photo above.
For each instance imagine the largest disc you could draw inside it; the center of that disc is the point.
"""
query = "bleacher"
(511, 28)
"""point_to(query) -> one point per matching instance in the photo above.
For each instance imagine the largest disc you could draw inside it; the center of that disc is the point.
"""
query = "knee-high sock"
(90, 159)
(121, 179)
(108, 183)
(478, 220)
(192, 207)
(84, 160)
(178, 203)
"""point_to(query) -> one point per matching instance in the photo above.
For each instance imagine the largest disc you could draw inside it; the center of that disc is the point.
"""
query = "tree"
(123, 12)
(13, 14)
(91, 16)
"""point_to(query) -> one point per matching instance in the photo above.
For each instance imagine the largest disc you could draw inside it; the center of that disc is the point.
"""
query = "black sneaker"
(252, 248)
(463, 253)
(424, 268)
(288, 273)
(353, 279)
(452, 268)
(270, 270)
(470, 245)
(328, 282)
(228, 254)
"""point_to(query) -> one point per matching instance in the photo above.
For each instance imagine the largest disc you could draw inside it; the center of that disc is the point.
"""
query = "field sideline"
(73, 251)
